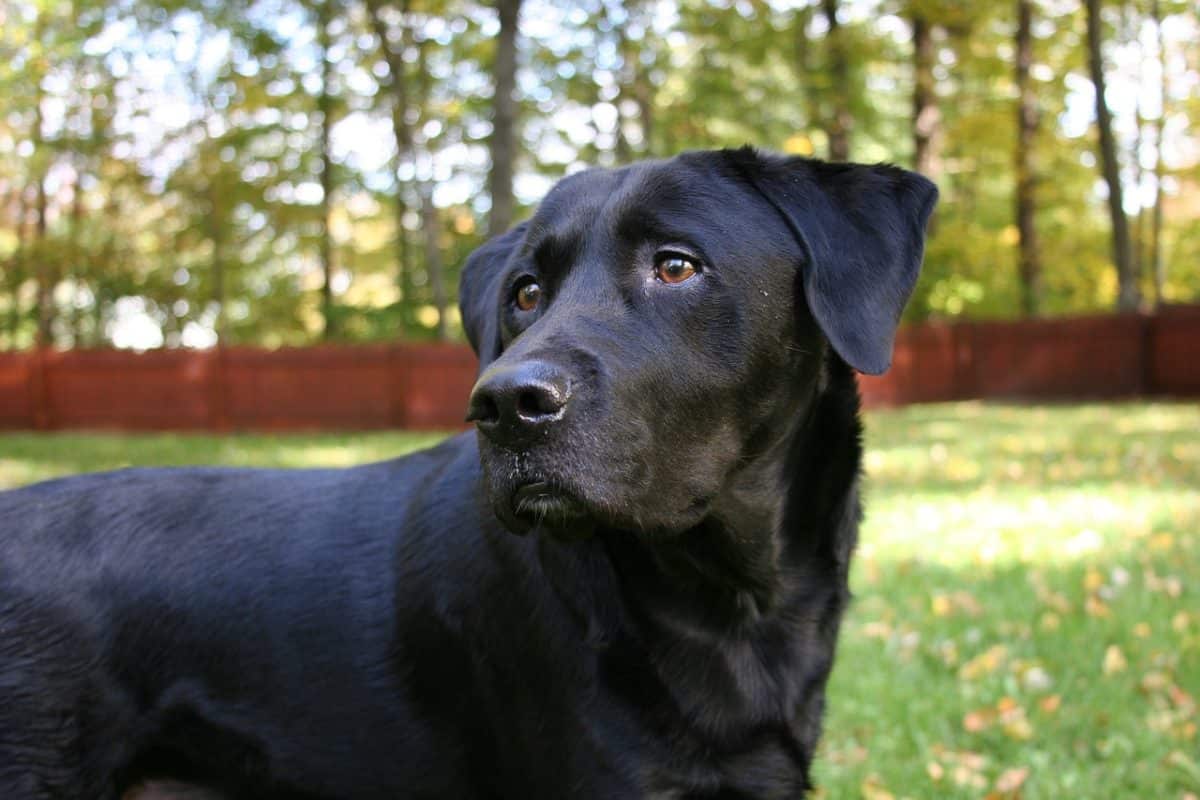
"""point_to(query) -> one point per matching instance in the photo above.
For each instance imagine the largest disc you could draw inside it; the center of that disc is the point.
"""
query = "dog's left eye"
(528, 294)
(674, 268)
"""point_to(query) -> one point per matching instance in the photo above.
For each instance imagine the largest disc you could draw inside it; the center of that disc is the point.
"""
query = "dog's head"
(653, 327)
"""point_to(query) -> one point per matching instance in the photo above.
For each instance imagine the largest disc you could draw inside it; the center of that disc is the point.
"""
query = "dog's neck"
(787, 516)
(716, 617)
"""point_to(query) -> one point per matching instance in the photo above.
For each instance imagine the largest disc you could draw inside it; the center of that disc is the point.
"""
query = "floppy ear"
(862, 229)
(479, 293)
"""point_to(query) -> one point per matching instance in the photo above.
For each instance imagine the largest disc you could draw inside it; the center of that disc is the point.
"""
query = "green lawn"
(1027, 618)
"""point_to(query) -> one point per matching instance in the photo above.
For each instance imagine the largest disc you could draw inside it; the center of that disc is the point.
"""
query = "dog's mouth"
(550, 507)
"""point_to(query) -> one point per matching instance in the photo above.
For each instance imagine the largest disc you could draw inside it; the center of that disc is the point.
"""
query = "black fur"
(379, 632)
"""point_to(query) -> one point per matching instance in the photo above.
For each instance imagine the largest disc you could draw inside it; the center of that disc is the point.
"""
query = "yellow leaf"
(1012, 779)
(1050, 704)
(1141, 630)
(872, 789)
(798, 145)
(1019, 729)
(1093, 580)
(940, 605)
(1179, 622)
(1155, 682)
(1162, 541)
(985, 663)
(1114, 660)
(1095, 607)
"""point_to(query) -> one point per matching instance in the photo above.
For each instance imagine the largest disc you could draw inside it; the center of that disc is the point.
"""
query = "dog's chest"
(711, 719)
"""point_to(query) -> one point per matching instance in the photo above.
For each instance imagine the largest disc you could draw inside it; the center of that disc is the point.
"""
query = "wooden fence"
(426, 386)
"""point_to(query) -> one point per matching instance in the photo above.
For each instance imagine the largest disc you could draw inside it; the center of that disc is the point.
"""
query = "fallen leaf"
(873, 789)
(1095, 607)
(985, 663)
(978, 720)
(1154, 681)
(1114, 660)
(1012, 779)
(1018, 728)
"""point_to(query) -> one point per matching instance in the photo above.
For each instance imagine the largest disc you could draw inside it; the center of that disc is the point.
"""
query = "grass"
(1027, 620)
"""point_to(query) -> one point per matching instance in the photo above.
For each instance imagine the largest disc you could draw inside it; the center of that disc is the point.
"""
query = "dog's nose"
(512, 402)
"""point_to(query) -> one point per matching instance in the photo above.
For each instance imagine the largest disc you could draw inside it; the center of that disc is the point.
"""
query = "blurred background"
(181, 173)
(211, 181)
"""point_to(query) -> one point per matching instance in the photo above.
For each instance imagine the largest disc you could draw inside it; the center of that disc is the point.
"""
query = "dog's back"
(164, 621)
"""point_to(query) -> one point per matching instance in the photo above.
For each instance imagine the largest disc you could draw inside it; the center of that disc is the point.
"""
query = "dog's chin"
(530, 494)
(545, 507)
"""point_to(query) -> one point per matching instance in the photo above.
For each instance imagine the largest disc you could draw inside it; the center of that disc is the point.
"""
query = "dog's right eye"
(527, 294)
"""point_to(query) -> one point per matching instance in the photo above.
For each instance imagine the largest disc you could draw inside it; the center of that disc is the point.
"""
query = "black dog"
(667, 403)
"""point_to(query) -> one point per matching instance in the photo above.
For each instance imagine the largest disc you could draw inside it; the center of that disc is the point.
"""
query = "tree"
(503, 140)
(392, 49)
(840, 121)
(1157, 262)
(926, 119)
(325, 103)
(1127, 288)
(43, 268)
(1028, 253)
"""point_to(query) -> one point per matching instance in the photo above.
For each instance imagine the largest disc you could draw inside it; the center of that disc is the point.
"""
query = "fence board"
(425, 386)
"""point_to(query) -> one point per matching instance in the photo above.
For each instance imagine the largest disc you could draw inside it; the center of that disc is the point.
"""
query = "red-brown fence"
(236, 388)
(1114, 356)
(425, 386)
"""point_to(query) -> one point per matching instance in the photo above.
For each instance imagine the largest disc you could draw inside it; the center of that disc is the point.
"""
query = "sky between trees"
(184, 172)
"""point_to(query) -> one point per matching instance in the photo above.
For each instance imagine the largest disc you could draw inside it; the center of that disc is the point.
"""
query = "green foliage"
(177, 142)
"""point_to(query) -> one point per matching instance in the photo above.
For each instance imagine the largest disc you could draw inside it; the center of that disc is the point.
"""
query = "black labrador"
(628, 583)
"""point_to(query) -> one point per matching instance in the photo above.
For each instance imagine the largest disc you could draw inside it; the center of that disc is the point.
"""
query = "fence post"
(218, 408)
(1147, 331)
(400, 369)
(39, 390)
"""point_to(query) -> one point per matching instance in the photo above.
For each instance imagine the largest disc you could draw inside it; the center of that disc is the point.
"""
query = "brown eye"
(674, 269)
(529, 294)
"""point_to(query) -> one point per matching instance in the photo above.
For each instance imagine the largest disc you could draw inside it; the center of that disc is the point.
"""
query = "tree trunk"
(42, 267)
(430, 222)
(216, 232)
(325, 107)
(641, 85)
(926, 115)
(625, 48)
(1029, 260)
(1127, 292)
(402, 132)
(21, 198)
(802, 48)
(1130, 23)
(840, 121)
(504, 119)
(1157, 263)
(79, 274)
